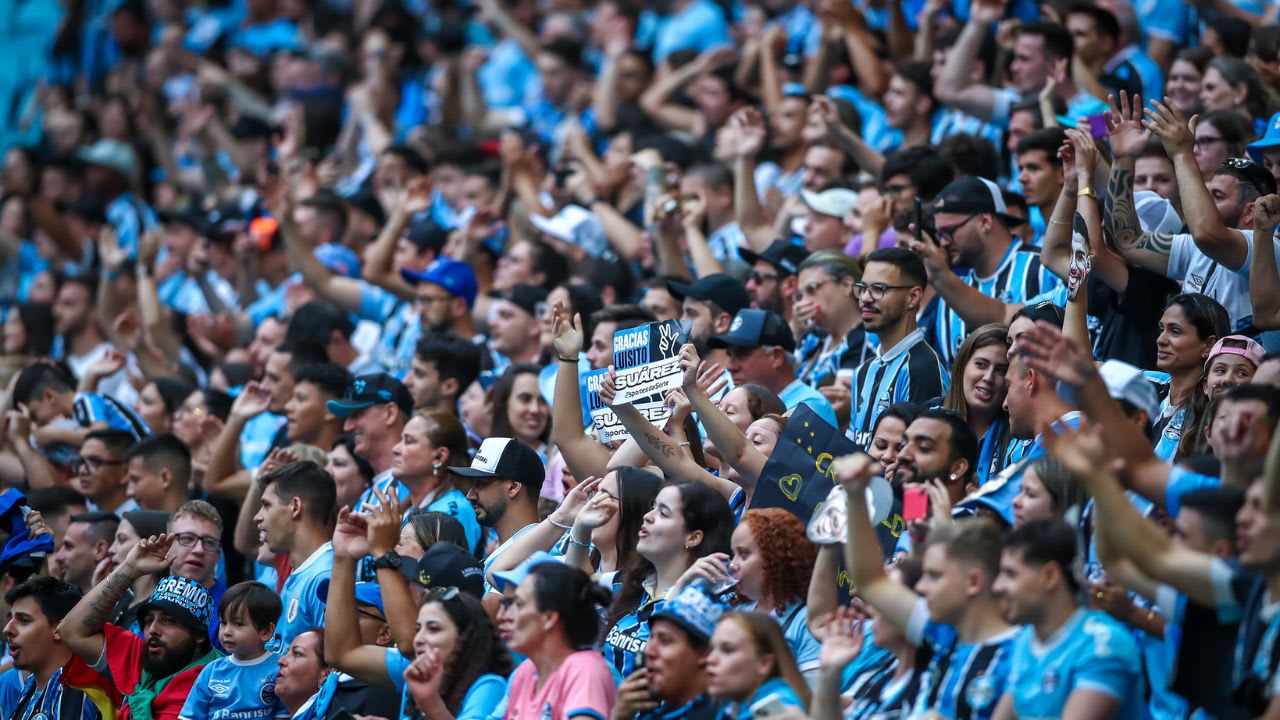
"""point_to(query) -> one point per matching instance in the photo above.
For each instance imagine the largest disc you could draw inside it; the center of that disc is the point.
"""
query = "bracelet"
(1086, 192)
(568, 360)
(562, 526)
(579, 543)
(1059, 222)
(684, 444)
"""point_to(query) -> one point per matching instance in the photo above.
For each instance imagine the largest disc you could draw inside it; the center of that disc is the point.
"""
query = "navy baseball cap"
(719, 288)
(784, 255)
(457, 278)
(973, 196)
(446, 565)
(755, 328)
(369, 390)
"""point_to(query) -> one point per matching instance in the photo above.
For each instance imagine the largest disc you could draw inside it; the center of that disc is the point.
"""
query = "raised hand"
(711, 378)
(1045, 349)
(1167, 122)
(417, 196)
(350, 535)
(151, 555)
(253, 400)
(1266, 212)
(276, 458)
(1067, 156)
(634, 696)
(608, 387)
(1085, 152)
(987, 11)
(751, 131)
(109, 363)
(854, 472)
(1081, 451)
(566, 332)
(1125, 126)
(385, 520)
(713, 568)
(690, 363)
(423, 678)
(597, 512)
(843, 638)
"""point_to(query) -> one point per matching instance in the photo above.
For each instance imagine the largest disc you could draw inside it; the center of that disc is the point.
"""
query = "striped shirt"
(910, 371)
(878, 694)
(962, 680)
(1019, 276)
(813, 365)
(626, 640)
(90, 409)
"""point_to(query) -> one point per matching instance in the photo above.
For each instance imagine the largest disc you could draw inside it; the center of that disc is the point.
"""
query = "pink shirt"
(581, 686)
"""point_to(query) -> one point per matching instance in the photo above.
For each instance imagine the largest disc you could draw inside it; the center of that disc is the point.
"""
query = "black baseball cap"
(1251, 172)
(526, 297)
(1044, 311)
(754, 328)
(369, 390)
(506, 458)
(784, 255)
(446, 565)
(721, 289)
(972, 196)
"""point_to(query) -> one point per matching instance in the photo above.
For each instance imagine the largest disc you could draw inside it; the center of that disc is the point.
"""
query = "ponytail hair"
(574, 596)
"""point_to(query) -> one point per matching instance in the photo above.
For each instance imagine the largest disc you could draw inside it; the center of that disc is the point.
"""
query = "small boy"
(243, 684)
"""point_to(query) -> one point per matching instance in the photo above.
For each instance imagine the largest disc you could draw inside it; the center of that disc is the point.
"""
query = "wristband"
(568, 360)
(562, 526)
(1086, 192)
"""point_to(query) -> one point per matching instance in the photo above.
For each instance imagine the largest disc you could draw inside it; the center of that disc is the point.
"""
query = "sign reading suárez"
(606, 422)
(647, 360)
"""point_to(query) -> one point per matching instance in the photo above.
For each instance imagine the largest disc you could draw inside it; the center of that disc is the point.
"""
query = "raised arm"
(1084, 454)
(224, 477)
(342, 646)
(971, 304)
(895, 602)
(379, 267)
(1128, 138)
(1264, 280)
(1221, 243)
(661, 449)
(821, 600)
(385, 520)
(657, 100)
(733, 445)
(584, 456)
(82, 628)
(956, 87)
(749, 127)
(1047, 351)
(1079, 168)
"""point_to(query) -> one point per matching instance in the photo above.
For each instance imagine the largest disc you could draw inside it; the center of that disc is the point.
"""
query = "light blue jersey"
(232, 689)
(303, 603)
(256, 437)
(1089, 652)
(794, 619)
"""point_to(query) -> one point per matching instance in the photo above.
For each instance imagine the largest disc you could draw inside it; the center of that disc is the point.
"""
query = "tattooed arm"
(1145, 250)
(82, 628)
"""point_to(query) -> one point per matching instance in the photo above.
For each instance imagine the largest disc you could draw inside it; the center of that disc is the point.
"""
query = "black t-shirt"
(1129, 321)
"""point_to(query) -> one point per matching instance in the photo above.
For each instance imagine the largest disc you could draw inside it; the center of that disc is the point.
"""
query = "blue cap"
(457, 278)
(694, 610)
(753, 327)
(368, 593)
(517, 574)
(1270, 140)
(181, 598)
(997, 494)
(339, 259)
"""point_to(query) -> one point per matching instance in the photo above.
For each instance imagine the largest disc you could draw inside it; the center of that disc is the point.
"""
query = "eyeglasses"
(895, 189)
(949, 232)
(211, 544)
(876, 290)
(442, 594)
(1206, 141)
(759, 277)
(811, 290)
(94, 464)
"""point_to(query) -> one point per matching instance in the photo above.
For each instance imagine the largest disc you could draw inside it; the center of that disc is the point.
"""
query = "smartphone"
(769, 706)
(1098, 126)
(915, 504)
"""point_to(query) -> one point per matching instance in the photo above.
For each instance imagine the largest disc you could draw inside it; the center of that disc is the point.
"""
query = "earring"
(435, 468)
(953, 477)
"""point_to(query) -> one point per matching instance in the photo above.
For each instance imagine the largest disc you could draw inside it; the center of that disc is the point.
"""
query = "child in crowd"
(241, 685)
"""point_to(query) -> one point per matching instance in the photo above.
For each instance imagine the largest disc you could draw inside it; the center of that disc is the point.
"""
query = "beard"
(169, 660)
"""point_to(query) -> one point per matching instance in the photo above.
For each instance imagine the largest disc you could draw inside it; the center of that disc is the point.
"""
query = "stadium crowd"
(706, 359)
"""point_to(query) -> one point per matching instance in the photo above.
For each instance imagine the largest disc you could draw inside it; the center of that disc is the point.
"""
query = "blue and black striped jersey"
(627, 638)
(962, 680)
(910, 371)
(1019, 277)
(92, 408)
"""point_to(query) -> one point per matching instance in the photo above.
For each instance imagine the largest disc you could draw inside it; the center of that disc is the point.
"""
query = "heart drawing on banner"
(790, 486)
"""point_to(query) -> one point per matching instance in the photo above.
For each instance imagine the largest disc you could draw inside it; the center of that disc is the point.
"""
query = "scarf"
(148, 687)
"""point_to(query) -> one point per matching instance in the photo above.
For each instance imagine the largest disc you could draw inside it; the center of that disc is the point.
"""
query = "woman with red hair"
(772, 563)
